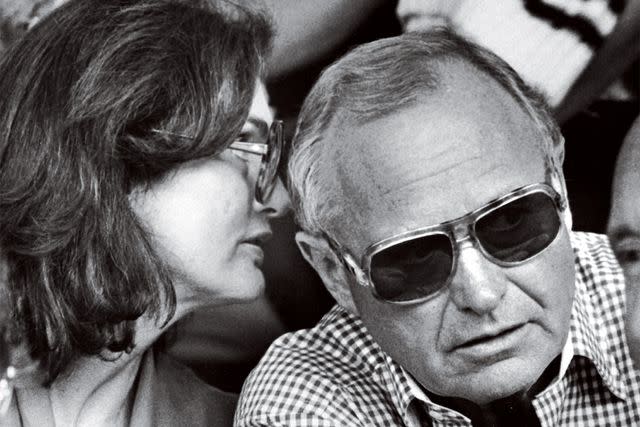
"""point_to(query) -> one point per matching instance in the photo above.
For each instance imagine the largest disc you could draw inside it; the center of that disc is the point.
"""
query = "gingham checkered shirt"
(336, 375)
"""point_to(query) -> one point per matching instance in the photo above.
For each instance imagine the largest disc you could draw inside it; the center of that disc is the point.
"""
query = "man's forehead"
(467, 128)
(462, 92)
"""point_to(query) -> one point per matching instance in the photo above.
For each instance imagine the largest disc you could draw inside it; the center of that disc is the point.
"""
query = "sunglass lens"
(520, 229)
(412, 270)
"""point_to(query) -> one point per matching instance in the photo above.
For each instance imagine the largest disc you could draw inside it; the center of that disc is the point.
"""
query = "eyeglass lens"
(270, 161)
(520, 229)
(420, 267)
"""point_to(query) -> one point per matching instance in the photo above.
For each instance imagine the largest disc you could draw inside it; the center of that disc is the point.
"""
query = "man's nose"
(278, 203)
(478, 284)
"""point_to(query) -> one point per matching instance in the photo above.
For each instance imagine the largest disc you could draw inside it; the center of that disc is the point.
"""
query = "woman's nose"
(278, 203)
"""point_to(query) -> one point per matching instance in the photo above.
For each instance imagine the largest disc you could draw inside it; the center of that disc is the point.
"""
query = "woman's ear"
(336, 278)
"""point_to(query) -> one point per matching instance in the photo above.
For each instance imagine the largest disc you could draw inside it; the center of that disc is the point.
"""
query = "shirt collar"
(581, 342)
(588, 343)
(416, 391)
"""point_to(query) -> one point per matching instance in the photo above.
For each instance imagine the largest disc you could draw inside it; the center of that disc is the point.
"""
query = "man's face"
(624, 231)
(493, 330)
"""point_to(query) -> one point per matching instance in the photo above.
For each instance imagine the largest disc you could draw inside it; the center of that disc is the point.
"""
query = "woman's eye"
(245, 136)
(250, 134)
(254, 131)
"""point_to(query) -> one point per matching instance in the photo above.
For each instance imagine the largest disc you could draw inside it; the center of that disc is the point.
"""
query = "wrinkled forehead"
(459, 146)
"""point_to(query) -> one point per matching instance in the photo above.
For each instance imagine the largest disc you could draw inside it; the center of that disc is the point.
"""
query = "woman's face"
(207, 224)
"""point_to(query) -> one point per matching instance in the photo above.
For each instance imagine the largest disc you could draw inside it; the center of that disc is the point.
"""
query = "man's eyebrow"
(623, 232)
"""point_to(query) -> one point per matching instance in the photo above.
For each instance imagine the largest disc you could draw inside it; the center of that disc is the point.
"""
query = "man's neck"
(546, 378)
(505, 411)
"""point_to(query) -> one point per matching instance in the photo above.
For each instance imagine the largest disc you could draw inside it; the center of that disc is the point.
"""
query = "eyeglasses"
(271, 153)
(269, 150)
(415, 266)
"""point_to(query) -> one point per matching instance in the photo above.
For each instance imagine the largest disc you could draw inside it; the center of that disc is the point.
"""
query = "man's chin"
(484, 395)
(494, 382)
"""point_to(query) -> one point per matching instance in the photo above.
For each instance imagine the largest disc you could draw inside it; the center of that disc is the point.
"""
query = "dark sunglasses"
(270, 152)
(415, 266)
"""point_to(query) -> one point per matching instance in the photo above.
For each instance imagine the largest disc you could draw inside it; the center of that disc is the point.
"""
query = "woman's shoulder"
(170, 394)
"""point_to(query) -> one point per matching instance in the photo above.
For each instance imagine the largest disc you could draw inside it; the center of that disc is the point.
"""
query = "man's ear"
(316, 250)
(559, 183)
(558, 152)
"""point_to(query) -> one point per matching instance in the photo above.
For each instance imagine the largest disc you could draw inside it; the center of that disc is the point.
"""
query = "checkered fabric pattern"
(336, 375)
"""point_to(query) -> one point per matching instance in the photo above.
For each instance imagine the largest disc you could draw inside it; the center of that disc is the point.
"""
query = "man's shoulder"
(312, 374)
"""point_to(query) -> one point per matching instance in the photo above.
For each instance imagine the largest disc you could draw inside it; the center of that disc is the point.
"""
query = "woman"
(127, 200)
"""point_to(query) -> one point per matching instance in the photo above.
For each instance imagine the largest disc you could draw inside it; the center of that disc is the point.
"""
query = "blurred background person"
(624, 230)
(137, 182)
(583, 55)
(550, 43)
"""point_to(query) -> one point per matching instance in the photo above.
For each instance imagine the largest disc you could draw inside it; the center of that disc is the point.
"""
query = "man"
(427, 181)
(624, 230)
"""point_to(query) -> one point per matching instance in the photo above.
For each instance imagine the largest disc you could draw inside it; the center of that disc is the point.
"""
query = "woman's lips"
(259, 239)
(255, 245)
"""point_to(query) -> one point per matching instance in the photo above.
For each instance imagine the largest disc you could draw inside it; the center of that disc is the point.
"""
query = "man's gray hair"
(376, 80)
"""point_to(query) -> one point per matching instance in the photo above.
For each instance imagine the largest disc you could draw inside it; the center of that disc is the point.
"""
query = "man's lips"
(487, 337)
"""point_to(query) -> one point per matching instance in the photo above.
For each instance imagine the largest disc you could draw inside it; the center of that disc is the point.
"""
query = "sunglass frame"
(451, 229)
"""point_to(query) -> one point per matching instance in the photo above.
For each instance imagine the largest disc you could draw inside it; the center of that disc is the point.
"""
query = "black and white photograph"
(320, 213)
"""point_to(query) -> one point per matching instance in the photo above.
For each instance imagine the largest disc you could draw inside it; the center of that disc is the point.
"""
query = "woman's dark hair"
(82, 93)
